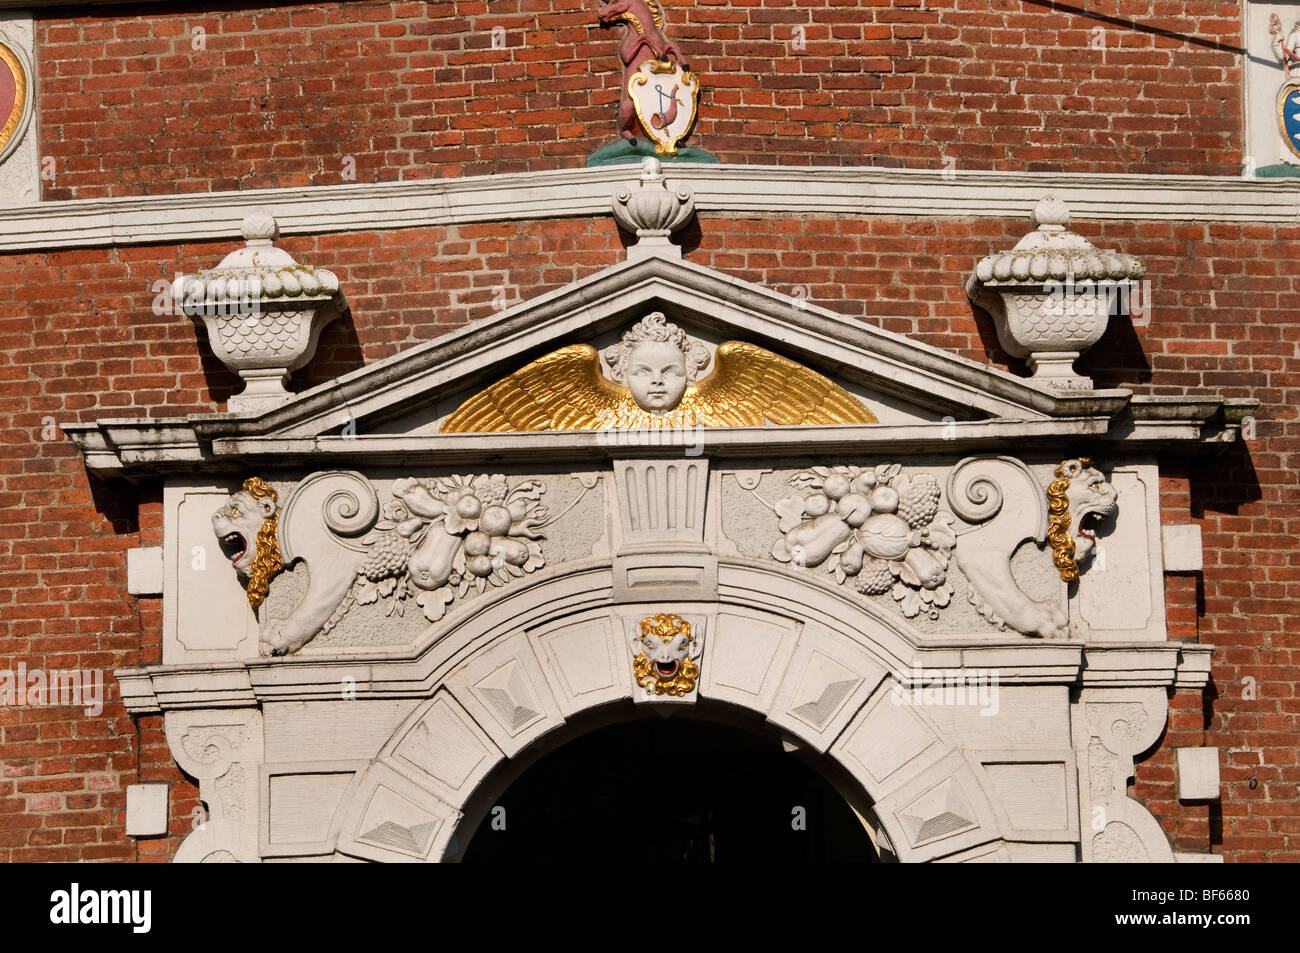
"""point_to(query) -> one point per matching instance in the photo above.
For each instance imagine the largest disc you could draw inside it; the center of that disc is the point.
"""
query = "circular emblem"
(15, 97)
(1288, 116)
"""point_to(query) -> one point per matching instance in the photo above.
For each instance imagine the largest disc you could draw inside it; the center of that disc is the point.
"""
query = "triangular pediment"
(921, 396)
(900, 380)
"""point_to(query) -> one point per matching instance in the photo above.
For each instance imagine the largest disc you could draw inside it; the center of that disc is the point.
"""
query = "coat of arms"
(660, 95)
(1286, 47)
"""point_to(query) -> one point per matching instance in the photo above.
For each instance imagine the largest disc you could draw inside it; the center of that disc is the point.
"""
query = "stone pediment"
(920, 395)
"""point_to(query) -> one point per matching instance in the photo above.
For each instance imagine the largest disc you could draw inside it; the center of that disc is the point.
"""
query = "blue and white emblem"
(1288, 116)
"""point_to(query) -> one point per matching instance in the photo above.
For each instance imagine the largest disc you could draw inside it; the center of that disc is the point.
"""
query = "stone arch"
(820, 667)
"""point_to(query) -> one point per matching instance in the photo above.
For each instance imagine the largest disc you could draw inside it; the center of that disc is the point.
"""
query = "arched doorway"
(670, 790)
(799, 665)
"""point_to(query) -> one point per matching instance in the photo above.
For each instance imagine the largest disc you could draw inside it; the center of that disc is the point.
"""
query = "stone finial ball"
(1050, 211)
(260, 225)
(651, 169)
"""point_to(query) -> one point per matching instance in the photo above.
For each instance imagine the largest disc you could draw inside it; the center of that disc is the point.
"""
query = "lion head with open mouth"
(665, 652)
(1077, 501)
(246, 531)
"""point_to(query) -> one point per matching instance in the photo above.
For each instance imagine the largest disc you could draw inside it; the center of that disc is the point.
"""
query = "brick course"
(231, 98)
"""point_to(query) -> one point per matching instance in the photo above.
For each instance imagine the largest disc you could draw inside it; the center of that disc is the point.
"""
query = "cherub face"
(656, 375)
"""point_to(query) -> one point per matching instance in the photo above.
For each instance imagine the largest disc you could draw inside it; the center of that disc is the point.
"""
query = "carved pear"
(511, 550)
(812, 542)
(430, 564)
(851, 561)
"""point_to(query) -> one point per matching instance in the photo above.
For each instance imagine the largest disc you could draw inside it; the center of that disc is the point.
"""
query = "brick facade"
(284, 96)
(279, 97)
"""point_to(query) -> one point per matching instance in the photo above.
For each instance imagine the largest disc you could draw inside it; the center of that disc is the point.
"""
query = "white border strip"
(733, 189)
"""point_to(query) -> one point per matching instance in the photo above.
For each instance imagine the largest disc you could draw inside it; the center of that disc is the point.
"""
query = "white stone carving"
(1285, 46)
(221, 749)
(1110, 728)
(828, 679)
(387, 816)
(442, 747)
(665, 650)
(661, 502)
(1006, 506)
(263, 312)
(1051, 295)
(653, 212)
(939, 812)
(885, 530)
(436, 541)
(882, 528)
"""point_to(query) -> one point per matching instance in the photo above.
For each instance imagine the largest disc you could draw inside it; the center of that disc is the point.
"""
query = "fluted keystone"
(653, 212)
(1051, 295)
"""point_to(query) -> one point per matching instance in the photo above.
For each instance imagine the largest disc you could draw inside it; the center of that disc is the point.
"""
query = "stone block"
(1182, 547)
(146, 810)
(144, 571)
(1198, 774)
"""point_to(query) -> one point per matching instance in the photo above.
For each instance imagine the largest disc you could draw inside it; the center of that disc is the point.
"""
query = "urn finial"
(653, 212)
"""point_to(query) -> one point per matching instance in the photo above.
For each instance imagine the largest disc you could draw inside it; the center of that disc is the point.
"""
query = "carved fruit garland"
(439, 539)
(880, 527)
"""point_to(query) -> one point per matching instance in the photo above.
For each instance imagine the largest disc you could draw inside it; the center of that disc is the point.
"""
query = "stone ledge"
(728, 188)
(155, 689)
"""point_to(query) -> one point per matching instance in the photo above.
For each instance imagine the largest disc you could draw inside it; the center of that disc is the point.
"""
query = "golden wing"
(562, 391)
(750, 386)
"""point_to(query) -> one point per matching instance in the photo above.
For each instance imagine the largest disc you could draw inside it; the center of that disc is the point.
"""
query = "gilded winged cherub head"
(654, 381)
(656, 362)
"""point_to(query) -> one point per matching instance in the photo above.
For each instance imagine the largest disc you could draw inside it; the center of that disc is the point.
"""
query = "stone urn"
(1052, 295)
(263, 312)
(653, 213)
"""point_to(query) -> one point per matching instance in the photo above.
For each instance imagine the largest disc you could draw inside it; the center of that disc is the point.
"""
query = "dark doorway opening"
(670, 791)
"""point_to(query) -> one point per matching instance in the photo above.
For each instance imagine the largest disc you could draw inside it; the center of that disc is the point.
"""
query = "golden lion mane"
(1058, 523)
(266, 561)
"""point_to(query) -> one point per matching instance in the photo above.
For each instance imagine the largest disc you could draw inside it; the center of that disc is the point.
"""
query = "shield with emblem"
(1288, 117)
(665, 97)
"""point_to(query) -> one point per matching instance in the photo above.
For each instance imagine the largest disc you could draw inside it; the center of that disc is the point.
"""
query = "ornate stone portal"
(752, 507)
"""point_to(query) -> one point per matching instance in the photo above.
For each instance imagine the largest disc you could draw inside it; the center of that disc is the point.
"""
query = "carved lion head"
(245, 528)
(1077, 500)
(665, 651)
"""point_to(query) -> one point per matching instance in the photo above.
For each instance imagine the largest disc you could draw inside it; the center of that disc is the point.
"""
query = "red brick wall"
(78, 341)
(280, 96)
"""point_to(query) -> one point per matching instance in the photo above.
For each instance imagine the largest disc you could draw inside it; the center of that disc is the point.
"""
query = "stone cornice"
(155, 689)
(152, 447)
(730, 189)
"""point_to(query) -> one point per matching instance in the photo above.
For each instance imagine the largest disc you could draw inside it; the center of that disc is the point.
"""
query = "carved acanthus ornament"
(652, 383)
